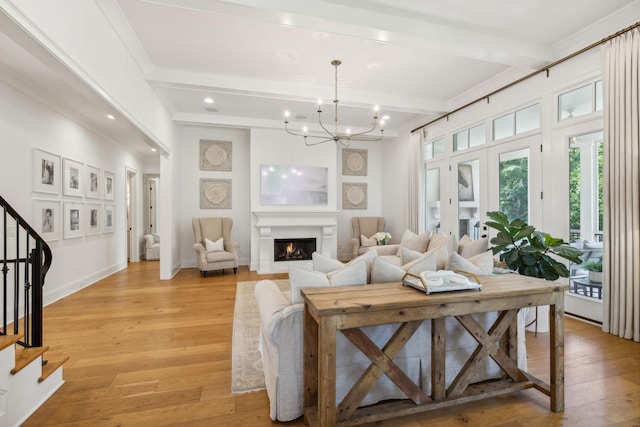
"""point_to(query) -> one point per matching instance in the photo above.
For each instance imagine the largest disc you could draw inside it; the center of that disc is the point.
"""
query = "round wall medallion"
(215, 155)
(216, 193)
(355, 162)
(355, 195)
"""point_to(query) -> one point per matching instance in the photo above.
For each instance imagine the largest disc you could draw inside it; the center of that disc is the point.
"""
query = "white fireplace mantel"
(270, 225)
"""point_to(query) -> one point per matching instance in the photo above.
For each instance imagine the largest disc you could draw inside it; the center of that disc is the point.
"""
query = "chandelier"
(338, 137)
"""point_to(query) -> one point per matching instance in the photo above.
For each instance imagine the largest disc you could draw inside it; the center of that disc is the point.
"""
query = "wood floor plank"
(145, 352)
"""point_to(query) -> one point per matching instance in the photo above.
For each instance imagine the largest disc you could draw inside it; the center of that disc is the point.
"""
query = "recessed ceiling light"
(212, 110)
(153, 149)
(110, 117)
(208, 100)
(385, 117)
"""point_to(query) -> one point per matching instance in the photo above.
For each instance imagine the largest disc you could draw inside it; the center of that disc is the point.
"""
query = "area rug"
(246, 365)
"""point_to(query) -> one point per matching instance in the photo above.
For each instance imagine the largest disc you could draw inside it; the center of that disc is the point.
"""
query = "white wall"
(27, 124)
(189, 193)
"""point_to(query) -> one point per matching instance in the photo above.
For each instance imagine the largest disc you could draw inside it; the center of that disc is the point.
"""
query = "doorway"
(133, 246)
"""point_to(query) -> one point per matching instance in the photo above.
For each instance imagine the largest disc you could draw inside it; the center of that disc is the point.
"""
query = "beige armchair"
(152, 247)
(365, 226)
(212, 257)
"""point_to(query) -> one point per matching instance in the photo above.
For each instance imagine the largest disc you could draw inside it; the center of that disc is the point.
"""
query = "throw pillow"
(447, 240)
(216, 246)
(478, 264)
(468, 248)
(415, 242)
(427, 262)
(367, 241)
(351, 274)
(325, 264)
(300, 279)
(407, 255)
(385, 272)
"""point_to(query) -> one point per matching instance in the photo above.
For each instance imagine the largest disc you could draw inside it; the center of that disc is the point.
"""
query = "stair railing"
(30, 264)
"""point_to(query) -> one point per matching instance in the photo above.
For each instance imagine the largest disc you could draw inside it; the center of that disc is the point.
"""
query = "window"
(468, 138)
(520, 121)
(434, 148)
(580, 101)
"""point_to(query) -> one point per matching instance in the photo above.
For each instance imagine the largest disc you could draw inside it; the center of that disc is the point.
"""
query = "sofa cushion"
(468, 248)
(477, 264)
(415, 242)
(407, 255)
(441, 239)
(218, 256)
(351, 274)
(300, 279)
(386, 272)
(325, 264)
(216, 246)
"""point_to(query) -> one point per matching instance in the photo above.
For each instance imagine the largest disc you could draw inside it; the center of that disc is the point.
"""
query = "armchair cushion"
(216, 246)
(367, 241)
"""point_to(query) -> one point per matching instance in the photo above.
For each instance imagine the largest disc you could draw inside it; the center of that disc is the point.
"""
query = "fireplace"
(293, 249)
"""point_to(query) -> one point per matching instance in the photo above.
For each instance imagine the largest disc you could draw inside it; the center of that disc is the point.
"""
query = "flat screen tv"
(293, 185)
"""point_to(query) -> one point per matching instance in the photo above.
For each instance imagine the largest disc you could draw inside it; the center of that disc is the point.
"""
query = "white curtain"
(415, 211)
(622, 185)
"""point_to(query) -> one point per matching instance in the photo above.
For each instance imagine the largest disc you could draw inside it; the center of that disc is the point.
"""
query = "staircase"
(27, 380)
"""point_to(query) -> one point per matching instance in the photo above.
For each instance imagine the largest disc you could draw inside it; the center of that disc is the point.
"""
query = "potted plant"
(595, 271)
(528, 251)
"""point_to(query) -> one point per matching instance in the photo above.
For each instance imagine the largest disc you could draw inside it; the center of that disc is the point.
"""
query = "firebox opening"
(293, 249)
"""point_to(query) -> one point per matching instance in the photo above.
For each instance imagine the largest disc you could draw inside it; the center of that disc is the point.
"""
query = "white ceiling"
(257, 58)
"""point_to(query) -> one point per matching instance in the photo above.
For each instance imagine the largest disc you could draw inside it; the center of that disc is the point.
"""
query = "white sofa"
(152, 247)
(281, 339)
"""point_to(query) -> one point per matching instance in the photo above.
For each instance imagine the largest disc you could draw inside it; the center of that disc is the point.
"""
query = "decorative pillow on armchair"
(216, 246)
(367, 241)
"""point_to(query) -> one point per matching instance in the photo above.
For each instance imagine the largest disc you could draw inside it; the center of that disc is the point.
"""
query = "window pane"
(438, 147)
(461, 140)
(599, 95)
(503, 127)
(477, 135)
(428, 150)
(432, 197)
(514, 184)
(575, 103)
(528, 119)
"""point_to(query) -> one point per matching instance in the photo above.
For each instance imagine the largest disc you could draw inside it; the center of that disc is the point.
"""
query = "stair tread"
(9, 340)
(51, 367)
(26, 356)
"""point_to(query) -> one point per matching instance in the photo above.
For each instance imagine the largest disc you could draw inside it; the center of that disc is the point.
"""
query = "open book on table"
(442, 281)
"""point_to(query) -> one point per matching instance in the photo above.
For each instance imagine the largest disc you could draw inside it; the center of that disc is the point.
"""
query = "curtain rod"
(543, 69)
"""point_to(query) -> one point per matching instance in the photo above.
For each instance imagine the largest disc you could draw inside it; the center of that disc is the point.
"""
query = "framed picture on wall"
(93, 219)
(215, 193)
(109, 218)
(72, 225)
(354, 162)
(215, 155)
(47, 219)
(109, 181)
(73, 179)
(465, 183)
(46, 172)
(93, 179)
(354, 195)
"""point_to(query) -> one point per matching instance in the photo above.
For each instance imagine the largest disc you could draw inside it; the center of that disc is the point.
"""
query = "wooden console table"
(349, 308)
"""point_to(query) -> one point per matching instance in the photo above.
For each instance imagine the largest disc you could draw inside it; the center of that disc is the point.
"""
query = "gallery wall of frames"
(71, 199)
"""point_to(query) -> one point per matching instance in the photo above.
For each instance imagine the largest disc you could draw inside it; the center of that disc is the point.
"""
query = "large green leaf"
(498, 217)
(524, 232)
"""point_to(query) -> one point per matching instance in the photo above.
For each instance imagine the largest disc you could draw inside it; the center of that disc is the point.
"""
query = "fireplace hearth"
(293, 249)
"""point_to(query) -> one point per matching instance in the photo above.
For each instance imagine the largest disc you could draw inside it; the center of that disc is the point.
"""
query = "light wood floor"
(145, 352)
